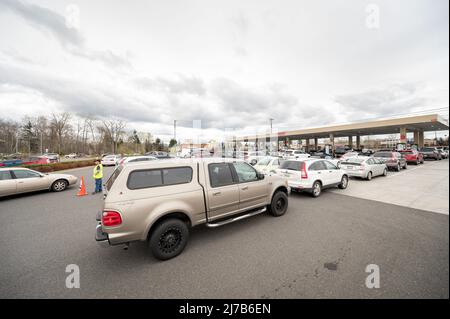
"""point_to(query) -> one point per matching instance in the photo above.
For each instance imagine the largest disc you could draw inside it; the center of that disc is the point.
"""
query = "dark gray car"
(431, 153)
(393, 160)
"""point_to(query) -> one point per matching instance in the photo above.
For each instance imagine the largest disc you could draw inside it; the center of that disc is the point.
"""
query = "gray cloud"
(220, 103)
(392, 99)
(51, 22)
(180, 84)
(77, 97)
(46, 20)
(237, 98)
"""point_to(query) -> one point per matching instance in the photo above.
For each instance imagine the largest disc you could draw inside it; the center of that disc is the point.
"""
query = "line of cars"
(316, 171)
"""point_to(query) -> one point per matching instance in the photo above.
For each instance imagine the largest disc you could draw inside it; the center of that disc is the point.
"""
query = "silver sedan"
(364, 167)
(16, 180)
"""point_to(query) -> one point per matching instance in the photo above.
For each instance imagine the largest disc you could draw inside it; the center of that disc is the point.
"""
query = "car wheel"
(398, 168)
(405, 166)
(344, 182)
(385, 172)
(317, 189)
(417, 162)
(279, 204)
(168, 239)
(59, 185)
(369, 176)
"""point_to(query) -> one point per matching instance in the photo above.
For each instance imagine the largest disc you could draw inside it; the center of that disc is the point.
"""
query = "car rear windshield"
(428, 149)
(382, 154)
(291, 165)
(109, 183)
(406, 152)
(353, 161)
(159, 177)
(264, 161)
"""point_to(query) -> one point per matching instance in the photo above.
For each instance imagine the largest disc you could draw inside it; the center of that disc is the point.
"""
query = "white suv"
(312, 175)
(296, 154)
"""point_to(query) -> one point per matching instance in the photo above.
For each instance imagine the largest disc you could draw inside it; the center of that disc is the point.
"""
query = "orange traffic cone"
(82, 190)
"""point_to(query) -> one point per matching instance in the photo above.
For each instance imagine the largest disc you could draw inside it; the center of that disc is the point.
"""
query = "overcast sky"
(230, 64)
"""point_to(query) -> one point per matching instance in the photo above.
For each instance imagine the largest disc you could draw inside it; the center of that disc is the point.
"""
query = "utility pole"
(175, 130)
(270, 138)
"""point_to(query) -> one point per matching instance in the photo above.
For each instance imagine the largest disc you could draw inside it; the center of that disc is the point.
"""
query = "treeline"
(64, 133)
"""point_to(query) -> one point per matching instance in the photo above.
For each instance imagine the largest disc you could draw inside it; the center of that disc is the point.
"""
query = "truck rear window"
(291, 165)
(159, 177)
(109, 183)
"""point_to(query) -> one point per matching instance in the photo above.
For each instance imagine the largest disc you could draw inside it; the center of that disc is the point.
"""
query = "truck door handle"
(216, 193)
(244, 188)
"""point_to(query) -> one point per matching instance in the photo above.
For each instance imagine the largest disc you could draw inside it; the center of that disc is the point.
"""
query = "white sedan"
(364, 167)
(296, 154)
(267, 165)
(16, 180)
(134, 159)
(110, 160)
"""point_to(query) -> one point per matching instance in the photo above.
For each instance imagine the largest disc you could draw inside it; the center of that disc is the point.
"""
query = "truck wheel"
(168, 239)
(279, 204)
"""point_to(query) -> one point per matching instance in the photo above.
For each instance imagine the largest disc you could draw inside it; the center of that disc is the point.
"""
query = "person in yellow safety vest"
(98, 176)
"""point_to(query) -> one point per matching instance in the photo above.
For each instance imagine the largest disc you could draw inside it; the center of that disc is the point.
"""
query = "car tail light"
(111, 218)
(303, 171)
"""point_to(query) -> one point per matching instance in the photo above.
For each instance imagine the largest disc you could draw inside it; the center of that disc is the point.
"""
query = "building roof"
(431, 122)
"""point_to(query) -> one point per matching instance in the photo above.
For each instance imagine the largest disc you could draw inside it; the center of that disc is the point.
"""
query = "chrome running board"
(235, 219)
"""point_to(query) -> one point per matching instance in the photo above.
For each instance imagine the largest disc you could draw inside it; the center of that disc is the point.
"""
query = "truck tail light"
(303, 170)
(111, 218)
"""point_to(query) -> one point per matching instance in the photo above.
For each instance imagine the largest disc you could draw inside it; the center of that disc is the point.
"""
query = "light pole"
(175, 130)
(270, 138)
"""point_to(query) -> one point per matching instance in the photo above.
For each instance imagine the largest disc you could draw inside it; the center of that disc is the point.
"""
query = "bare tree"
(60, 124)
(114, 129)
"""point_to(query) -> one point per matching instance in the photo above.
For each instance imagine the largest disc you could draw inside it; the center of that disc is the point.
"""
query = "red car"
(36, 160)
(413, 156)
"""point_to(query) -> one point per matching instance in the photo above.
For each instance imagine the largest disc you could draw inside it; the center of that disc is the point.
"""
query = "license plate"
(349, 167)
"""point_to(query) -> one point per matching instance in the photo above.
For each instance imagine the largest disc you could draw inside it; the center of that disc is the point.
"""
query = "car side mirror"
(260, 175)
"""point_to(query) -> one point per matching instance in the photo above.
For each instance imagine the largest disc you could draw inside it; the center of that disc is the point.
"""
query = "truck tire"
(168, 239)
(279, 204)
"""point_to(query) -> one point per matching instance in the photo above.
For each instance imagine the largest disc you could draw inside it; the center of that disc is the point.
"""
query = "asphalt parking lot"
(319, 249)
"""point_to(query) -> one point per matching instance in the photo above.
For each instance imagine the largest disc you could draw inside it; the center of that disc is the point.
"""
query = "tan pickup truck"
(159, 201)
